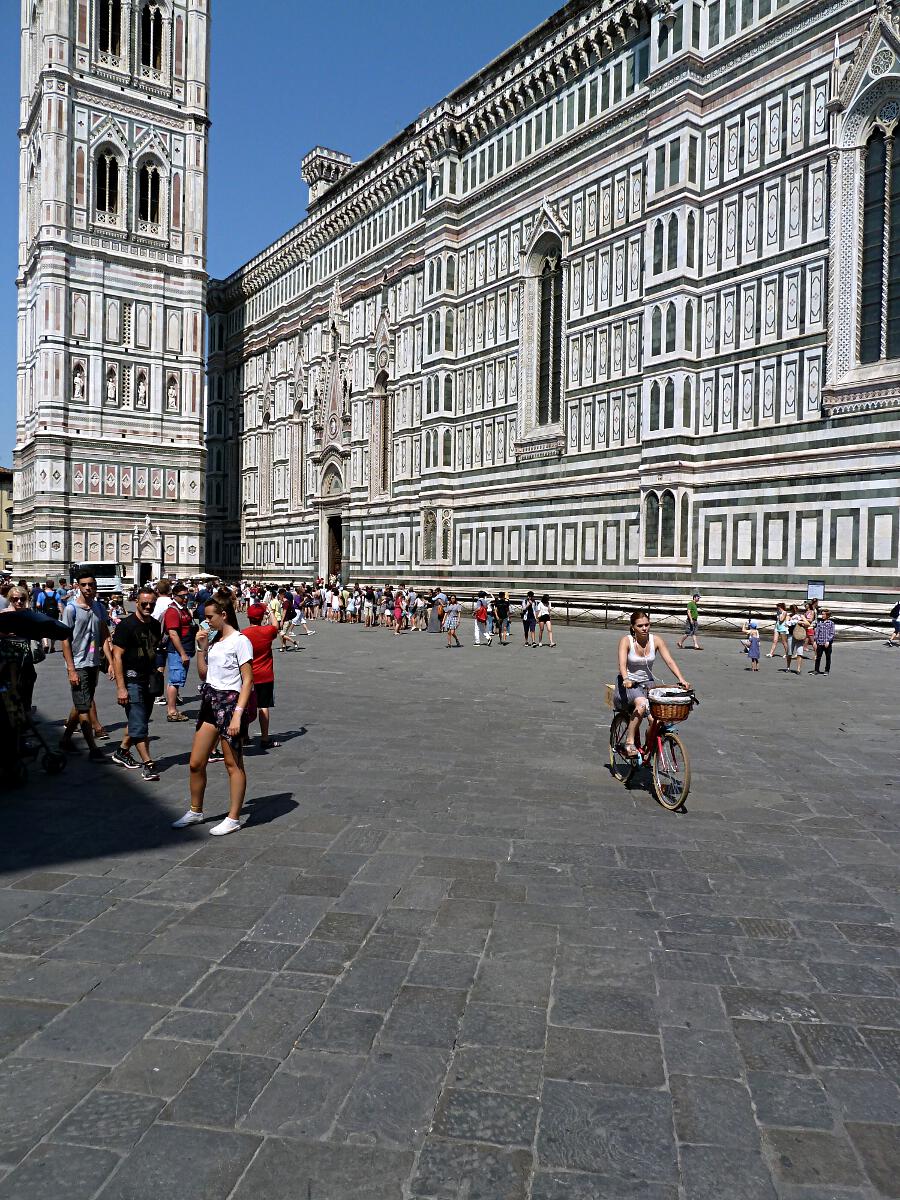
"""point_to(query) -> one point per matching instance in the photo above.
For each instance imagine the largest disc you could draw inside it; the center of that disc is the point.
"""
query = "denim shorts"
(178, 672)
(138, 709)
(83, 691)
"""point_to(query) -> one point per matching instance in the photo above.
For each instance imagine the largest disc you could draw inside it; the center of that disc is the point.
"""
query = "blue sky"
(286, 75)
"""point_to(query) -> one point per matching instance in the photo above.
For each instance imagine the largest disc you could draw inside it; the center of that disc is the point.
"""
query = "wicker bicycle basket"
(671, 709)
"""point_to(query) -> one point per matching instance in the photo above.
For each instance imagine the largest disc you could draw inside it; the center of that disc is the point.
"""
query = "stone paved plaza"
(450, 957)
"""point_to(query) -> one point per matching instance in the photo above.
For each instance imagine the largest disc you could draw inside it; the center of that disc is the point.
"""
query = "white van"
(109, 575)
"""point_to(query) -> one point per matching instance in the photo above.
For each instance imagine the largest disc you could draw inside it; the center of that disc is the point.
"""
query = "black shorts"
(265, 695)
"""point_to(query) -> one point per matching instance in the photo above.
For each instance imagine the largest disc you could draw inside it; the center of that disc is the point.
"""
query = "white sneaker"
(189, 818)
(227, 826)
(160, 700)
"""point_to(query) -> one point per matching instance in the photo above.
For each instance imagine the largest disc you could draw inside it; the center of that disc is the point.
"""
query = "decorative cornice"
(536, 448)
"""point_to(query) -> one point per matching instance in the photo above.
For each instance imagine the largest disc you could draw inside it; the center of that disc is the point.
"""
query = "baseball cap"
(256, 612)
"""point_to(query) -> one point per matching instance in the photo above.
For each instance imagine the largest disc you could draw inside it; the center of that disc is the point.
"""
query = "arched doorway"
(331, 527)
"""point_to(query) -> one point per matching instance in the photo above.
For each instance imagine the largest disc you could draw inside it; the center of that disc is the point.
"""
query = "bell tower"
(110, 402)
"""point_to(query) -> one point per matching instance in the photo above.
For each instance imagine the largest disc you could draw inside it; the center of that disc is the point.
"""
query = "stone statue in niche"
(78, 383)
(141, 392)
(172, 395)
(111, 388)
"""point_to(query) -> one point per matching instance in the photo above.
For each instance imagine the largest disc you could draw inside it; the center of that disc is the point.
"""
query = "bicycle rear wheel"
(620, 764)
(671, 771)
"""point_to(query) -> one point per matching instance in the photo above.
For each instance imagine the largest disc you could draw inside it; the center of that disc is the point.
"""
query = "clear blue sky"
(286, 75)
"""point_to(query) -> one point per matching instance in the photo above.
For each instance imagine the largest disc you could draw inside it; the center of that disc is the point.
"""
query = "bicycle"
(663, 750)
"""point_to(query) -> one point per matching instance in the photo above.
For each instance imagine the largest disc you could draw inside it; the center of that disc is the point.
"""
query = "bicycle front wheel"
(620, 764)
(671, 771)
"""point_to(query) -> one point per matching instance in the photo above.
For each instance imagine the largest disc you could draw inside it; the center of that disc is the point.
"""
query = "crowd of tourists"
(148, 653)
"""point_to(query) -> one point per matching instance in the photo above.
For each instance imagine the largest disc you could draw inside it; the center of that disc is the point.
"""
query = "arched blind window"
(107, 184)
(879, 323)
(654, 406)
(148, 193)
(549, 407)
(151, 37)
(109, 26)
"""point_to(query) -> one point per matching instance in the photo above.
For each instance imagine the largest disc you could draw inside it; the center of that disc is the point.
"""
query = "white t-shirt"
(224, 660)
(160, 607)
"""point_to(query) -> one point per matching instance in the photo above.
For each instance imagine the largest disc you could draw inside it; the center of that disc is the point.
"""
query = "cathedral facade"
(620, 316)
(110, 455)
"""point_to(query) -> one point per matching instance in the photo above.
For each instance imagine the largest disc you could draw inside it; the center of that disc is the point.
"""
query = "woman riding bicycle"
(637, 654)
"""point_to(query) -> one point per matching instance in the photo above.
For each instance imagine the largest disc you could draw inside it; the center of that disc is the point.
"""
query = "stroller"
(20, 739)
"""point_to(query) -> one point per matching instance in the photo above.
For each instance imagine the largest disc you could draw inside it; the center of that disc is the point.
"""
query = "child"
(751, 632)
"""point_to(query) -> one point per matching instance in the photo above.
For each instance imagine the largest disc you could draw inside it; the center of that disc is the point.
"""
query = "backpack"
(49, 605)
(895, 612)
(481, 612)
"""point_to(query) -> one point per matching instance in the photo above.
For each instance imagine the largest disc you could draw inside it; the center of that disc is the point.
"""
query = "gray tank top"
(640, 668)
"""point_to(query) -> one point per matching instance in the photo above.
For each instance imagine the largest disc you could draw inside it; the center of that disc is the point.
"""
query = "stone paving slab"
(450, 957)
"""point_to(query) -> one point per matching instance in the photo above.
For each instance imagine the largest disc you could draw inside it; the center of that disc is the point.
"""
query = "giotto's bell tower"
(112, 285)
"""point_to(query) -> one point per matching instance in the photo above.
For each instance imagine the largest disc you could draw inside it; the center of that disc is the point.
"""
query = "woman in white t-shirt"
(544, 614)
(225, 662)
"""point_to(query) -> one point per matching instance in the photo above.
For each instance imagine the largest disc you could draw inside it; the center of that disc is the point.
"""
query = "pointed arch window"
(107, 183)
(672, 244)
(689, 325)
(657, 248)
(448, 392)
(651, 525)
(448, 448)
(667, 526)
(654, 406)
(684, 534)
(879, 319)
(149, 193)
(151, 36)
(656, 331)
(109, 27)
(687, 408)
(669, 405)
(691, 239)
(549, 406)
(670, 329)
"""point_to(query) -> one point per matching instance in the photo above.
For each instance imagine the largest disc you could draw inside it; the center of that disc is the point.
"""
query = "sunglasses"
(16, 599)
(150, 605)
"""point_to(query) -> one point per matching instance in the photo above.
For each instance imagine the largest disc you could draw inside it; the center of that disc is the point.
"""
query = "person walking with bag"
(225, 712)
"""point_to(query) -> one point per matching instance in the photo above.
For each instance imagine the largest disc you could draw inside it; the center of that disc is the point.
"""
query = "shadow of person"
(262, 809)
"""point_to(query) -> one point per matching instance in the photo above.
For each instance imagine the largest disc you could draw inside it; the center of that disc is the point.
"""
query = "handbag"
(156, 685)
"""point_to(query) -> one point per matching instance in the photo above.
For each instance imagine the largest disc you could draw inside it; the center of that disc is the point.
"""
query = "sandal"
(177, 717)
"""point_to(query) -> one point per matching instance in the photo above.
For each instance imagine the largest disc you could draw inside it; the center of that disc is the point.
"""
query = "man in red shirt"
(261, 638)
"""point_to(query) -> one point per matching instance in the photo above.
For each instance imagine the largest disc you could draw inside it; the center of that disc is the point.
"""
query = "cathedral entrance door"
(335, 543)
(146, 572)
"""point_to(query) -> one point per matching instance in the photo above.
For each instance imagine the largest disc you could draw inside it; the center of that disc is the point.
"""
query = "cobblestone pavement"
(450, 957)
